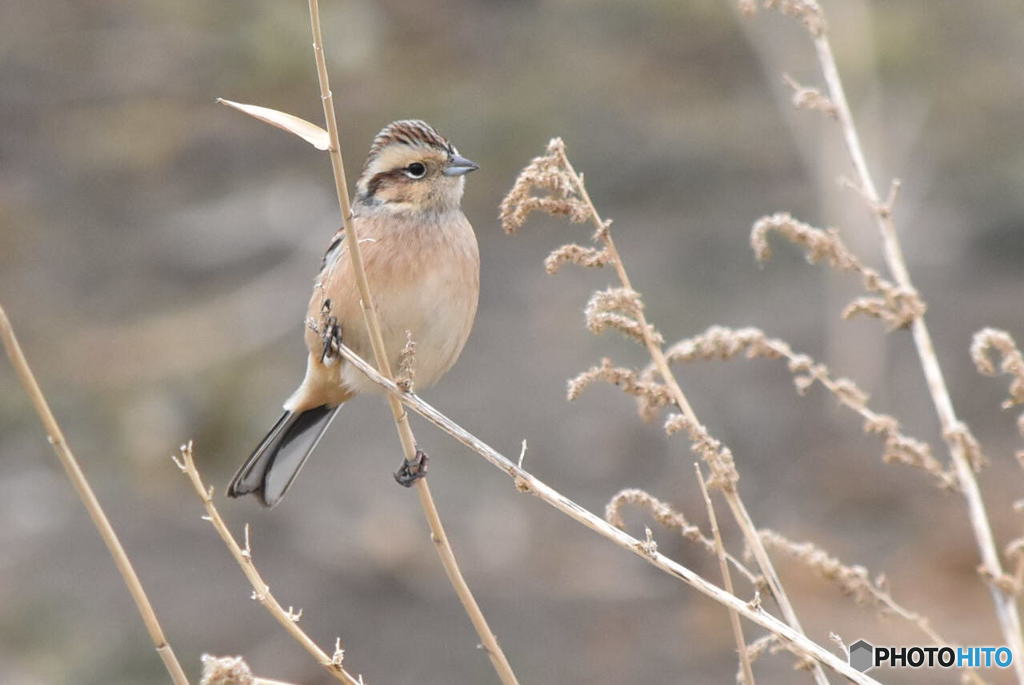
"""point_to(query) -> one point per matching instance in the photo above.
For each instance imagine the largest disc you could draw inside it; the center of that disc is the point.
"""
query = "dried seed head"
(898, 307)
(406, 377)
(547, 174)
(225, 670)
(1011, 360)
(853, 581)
(810, 98)
(718, 457)
(576, 254)
(618, 309)
(962, 436)
(720, 343)
(626, 379)
(809, 13)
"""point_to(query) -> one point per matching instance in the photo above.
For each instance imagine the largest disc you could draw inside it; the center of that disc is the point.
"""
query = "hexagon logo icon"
(862, 655)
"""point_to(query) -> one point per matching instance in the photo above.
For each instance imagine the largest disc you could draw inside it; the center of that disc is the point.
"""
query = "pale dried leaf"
(309, 132)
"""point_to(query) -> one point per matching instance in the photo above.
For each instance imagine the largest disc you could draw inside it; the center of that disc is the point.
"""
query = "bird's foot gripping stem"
(330, 333)
(411, 471)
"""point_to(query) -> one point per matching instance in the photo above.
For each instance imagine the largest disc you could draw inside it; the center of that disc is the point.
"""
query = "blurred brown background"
(156, 252)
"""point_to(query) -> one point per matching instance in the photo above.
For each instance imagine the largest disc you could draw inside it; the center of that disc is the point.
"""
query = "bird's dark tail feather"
(270, 470)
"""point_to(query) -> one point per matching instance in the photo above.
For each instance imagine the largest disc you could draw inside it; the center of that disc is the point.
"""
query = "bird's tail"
(270, 470)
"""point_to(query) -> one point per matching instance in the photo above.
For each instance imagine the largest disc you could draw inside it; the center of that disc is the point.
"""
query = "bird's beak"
(459, 165)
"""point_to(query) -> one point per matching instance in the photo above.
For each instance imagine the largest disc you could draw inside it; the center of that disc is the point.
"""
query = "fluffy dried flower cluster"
(722, 344)
(547, 173)
(576, 254)
(225, 670)
(853, 581)
(717, 456)
(660, 511)
(664, 514)
(962, 435)
(619, 309)
(406, 378)
(898, 307)
(1011, 363)
(655, 394)
(810, 98)
(809, 12)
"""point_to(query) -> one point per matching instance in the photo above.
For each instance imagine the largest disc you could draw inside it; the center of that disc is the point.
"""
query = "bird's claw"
(330, 332)
(411, 471)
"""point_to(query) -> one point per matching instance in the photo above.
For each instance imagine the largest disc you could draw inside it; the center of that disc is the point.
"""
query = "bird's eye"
(416, 170)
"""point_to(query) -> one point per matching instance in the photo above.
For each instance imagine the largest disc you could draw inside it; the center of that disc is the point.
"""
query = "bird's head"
(412, 167)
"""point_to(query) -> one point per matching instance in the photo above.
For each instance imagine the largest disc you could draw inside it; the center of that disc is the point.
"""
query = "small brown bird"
(423, 267)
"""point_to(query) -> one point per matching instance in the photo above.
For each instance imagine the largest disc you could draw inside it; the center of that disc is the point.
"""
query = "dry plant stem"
(734, 619)
(526, 482)
(1006, 607)
(261, 591)
(440, 539)
(736, 505)
(56, 439)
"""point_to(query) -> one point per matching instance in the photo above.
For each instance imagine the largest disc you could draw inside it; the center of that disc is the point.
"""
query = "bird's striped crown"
(411, 132)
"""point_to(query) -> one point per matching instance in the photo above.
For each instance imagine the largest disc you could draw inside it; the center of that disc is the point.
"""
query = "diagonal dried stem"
(528, 483)
(405, 434)
(260, 590)
(953, 429)
(653, 345)
(734, 619)
(55, 436)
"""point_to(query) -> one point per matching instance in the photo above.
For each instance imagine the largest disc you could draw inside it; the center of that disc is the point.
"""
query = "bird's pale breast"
(425, 279)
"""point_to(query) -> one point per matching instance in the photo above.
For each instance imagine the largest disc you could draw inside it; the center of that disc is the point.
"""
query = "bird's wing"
(334, 250)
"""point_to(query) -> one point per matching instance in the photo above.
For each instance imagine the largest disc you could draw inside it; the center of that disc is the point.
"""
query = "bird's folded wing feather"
(334, 250)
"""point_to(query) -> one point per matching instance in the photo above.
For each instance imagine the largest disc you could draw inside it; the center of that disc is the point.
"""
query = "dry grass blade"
(261, 591)
(308, 131)
(92, 505)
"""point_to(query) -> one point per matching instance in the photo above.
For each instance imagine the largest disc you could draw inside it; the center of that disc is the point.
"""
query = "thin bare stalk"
(952, 428)
(734, 619)
(736, 505)
(92, 505)
(528, 483)
(261, 591)
(405, 434)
